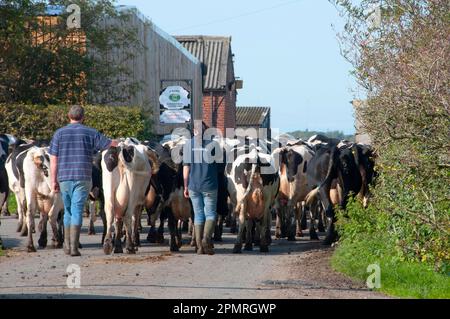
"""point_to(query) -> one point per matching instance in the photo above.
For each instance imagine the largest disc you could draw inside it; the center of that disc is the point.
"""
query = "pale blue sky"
(285, 51)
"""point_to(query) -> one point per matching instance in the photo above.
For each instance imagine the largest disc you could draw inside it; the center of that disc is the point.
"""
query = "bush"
(40, 122)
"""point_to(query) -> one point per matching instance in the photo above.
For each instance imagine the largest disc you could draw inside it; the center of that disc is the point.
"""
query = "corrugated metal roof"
(251, 115)
(214, 52)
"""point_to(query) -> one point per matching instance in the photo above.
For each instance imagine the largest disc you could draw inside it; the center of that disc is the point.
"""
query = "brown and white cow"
(126, 173)
(253, 184)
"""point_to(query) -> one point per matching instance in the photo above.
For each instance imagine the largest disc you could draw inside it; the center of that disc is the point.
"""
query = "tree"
(42, 61)
(403, 66)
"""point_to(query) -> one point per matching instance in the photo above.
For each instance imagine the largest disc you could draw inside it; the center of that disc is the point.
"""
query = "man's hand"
(55, 187)
(186, 192)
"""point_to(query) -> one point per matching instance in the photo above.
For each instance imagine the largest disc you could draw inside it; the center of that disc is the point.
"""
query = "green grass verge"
(12, 205)
(398, 278)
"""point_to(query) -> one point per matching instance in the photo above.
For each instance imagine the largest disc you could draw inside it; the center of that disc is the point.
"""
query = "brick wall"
(219, 109)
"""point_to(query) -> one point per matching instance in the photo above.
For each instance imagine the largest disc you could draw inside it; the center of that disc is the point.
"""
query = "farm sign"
(175, 103)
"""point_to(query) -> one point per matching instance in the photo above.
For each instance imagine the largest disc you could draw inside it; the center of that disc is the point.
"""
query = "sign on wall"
(175, 105)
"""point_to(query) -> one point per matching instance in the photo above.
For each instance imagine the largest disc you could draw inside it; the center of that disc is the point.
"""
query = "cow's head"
(291, 160)
(347, 159)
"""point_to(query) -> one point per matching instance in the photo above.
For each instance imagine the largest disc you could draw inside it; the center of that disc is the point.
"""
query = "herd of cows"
(289, 180)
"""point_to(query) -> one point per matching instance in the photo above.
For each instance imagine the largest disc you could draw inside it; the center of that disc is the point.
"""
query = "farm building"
(257, 117)
(220, 84)
(169, 76)
(162, 67)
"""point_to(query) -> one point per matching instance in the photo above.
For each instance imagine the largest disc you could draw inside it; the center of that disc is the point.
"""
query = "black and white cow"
(14, 169)
(350, 170)
(253, 184)
(96, 195)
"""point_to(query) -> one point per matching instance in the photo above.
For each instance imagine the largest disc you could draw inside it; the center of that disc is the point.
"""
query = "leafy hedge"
(40, 122)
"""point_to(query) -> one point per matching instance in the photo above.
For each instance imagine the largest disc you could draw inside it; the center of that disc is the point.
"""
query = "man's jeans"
(74, 195)
(205, 206)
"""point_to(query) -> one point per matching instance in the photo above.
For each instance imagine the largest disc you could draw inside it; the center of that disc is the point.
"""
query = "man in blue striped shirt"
(71, 153)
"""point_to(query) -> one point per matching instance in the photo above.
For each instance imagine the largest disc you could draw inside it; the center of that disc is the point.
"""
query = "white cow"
(40, 197)
(126, 173)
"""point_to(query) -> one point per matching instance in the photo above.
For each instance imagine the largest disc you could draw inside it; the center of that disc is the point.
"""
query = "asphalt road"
(290, 270)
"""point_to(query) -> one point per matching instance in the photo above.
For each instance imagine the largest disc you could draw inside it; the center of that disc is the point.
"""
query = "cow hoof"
(160, 239)
(237, 249)
(291, 238)
(218, 238)
(248, 247)
(193, 244)
(151, 237)
(118, 250)
(321, 229)
(31, 249)
(19, 228)
(131, 251)
(314, 236)
(24, 232)
(174, 248)
(57, 245)
(263, 249)
(42, 243)
(91, 231)
(299, 234)
(107, 247)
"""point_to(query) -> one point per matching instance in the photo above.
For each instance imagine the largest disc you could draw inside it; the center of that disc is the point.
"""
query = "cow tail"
(312, 195)
(240, 206)
(154, 162)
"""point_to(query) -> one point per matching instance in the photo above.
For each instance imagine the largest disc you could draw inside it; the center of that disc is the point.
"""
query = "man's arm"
(54, 173)
(186, 170)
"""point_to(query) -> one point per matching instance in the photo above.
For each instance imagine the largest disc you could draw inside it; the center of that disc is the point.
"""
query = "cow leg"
(92, 217)
(331, 232)
(31, 208)
(22, 213)
(291, 223)
(185, 225)
(278, 223)
(130, 225)
(233, 224)
(56, 239)
(312, 228)
(42, 227)
(264, 223)
(249, 236)
(118, 236)
(60, 223)
(191, 226)
(320, 226)
(179, 234)
(172, 229)
(136, 232)
(5, 210)
(19, 214)
(218, 229)
(108, 241)
(238, 244)
(160, 234)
